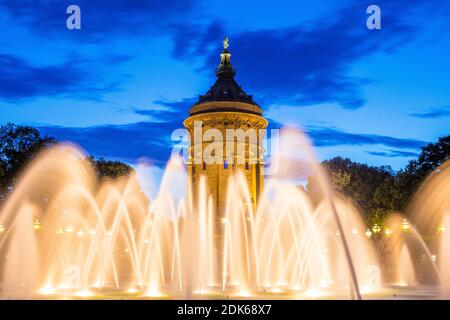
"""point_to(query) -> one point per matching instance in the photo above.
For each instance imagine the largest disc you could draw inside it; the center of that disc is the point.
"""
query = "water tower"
(226, 106)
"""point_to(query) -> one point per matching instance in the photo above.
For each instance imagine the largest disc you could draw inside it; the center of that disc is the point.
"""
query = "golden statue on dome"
(225, 43)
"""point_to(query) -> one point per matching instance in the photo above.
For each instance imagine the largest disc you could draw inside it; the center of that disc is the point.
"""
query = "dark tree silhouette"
(409, 179)
(111, 169)
(362, 183)
(18, 145)
(380, 190)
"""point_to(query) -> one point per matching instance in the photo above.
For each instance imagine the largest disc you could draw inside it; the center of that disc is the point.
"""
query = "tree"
(340, 179)
(409, 179)
(366, 185)
(432, 156)
(380, 190)
(18, 145)
(112, 169)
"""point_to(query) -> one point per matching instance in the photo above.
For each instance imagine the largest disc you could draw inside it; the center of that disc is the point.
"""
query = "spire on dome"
(225, 68)
(225, 43)
(226, 88)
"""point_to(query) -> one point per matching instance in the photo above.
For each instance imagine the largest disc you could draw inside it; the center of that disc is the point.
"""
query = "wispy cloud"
(433, 113)
(393, 153)
(324, 137)
(19, 79)
(168, 111)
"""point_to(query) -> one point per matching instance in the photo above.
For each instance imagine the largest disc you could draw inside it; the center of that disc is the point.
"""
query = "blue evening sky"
(119, 86)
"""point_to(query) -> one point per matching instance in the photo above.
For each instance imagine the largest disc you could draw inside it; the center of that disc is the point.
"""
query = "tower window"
(204, 165)
(225, 164)
(246, 166)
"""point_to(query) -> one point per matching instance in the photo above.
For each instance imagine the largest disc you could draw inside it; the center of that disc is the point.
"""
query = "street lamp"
(405, 225)
(368, 233)
(376, 228)
(37, 224)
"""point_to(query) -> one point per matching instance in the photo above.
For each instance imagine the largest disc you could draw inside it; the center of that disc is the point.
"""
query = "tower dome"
(226, 91)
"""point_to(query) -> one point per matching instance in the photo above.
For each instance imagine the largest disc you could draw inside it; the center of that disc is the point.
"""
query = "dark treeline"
(380, 190)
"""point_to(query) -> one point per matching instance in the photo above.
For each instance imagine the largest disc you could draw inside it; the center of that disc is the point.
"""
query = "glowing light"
(405, 225)
(433, 257)
(243, 293)
(275, 290)
(2, 228)
(92, 232)
(60, 231)
(36, 224)
(314, 293)
(401, 284)
(355, 231)
(376, 228)
(201, 291)
(47, 290)
(441, 228)
(366, 289)
(387, 232)
(224, 220)
(368, 233)
(84, 293)
(80, 233)
(69, 229)
(132, 290)
(63, 287)
(153, 292)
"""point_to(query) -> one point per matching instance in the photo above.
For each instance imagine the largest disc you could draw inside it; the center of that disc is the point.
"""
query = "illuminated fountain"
(430, 212)
(417, 251)
(63, 234)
